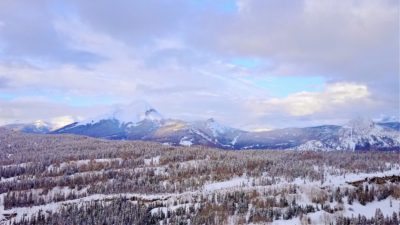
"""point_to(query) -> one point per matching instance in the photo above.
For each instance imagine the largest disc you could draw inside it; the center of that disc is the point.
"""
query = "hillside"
(69, 179)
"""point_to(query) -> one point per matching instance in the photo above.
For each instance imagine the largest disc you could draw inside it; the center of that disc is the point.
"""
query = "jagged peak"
(130, 113)
(153, 114)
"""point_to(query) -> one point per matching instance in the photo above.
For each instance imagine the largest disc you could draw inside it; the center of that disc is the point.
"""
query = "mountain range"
(142, 122)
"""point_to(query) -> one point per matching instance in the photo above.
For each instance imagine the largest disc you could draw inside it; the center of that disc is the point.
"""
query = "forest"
(68, 179)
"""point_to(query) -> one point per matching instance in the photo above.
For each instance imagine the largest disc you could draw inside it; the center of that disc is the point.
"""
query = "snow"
(202, 135)
(152, 161)
(191, 163)
(128, 114)
(360, 131)
(216, 128)
(40, 124)
(351, 177)
(171, 208)
(319, 217)
(24, 165)
(338, 180)
(369, 209)
(160, 171)
(294, 221)
(8, 179)
(185, 142)
(80, 163)
(313, 145)
(305, 190)
(158, 210)
(249, 212)
(233, 142)
(234, 182)
(54, 206)
(316, 218)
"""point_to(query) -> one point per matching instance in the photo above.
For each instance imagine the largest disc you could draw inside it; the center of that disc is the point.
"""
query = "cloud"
(27, 34)
(336, 95)
(195, 60)
(349, 41)
(61, 121)
(3, 82)
(29, 109)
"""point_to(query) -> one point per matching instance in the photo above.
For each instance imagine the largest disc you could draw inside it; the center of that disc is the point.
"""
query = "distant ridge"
(140, 121)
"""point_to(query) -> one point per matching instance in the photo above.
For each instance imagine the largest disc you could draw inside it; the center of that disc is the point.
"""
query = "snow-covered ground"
(152, 161)
(305, 190)
(234, 182)
(387, 206)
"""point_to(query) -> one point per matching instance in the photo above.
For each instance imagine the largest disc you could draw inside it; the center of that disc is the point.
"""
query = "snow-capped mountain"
(363, 133)
(391, 125)
(357, 134)
(127, 114)
(216, 133)
(286, 138)
(140, 121)
(208, 132)
(38, 127)
(135, 121)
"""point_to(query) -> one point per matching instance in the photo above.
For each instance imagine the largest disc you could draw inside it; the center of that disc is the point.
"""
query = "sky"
(250, 64)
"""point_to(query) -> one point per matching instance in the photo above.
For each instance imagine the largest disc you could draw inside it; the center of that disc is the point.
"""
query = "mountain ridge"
(143, 122)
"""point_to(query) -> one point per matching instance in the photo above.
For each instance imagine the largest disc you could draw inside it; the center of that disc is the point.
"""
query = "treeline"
(124, 211)
(231, 208)
(377, 219)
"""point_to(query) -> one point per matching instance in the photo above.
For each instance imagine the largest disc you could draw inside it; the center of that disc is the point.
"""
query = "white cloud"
(27, 110)
(339, 93)
(336, 95)
(179, 58)
(60, 121)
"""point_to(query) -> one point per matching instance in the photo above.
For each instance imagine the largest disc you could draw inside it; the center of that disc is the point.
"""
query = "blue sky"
(270, 63)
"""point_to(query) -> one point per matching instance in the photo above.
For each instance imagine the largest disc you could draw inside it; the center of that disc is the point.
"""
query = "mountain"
(140, 121)
(392, 125)
(38, 127)
(358, 134)
(135, 121)
(168, 131)
(363, 133)
(286, 138)
(208, 132)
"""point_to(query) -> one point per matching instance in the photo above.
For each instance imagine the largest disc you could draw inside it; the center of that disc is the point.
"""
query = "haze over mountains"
(140, 121)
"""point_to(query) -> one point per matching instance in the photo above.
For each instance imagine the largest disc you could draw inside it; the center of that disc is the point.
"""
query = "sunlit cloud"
(336, 95)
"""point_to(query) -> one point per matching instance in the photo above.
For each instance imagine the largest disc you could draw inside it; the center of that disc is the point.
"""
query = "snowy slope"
(37, 127)
(140, 121)
(133, 121)
(363, 133)
(208, 132)
(357, 134)
(127, 114)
